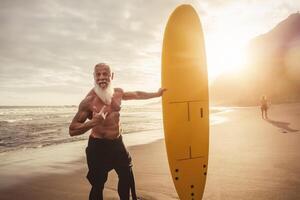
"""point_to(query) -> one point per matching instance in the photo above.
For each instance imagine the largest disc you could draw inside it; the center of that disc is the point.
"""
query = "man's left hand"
(161, 91)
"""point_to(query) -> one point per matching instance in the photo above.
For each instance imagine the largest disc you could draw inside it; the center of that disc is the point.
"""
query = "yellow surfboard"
(185, 103)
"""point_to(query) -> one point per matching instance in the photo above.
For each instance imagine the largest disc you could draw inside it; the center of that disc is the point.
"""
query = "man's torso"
(110, 128)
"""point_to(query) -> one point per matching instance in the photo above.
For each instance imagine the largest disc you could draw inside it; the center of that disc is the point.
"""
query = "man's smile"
(103, 83)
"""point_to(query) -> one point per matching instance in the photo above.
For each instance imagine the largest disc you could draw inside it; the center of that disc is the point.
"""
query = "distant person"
(264, 107)
(106, 150)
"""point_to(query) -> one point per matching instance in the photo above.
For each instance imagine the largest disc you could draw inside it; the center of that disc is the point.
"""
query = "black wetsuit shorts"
(104, 155)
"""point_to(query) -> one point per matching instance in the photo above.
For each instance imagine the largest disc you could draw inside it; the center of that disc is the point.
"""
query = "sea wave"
(36, 127)
(16, 120)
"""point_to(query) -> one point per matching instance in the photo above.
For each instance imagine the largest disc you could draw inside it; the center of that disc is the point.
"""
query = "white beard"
(104, 94)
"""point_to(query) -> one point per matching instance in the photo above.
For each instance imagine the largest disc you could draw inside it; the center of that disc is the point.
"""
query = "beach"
(249, 159)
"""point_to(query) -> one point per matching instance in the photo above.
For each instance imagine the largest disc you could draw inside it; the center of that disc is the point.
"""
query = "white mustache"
(103, 81)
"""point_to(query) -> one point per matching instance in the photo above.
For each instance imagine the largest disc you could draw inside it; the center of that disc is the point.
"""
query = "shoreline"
(62, 185)
(57, 159)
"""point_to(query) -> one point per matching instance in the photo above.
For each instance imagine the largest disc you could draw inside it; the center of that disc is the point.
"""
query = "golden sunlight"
(226, 47)
(225, 57)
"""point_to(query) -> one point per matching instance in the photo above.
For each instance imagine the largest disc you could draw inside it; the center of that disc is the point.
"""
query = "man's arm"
(78, 125)
(142, 95)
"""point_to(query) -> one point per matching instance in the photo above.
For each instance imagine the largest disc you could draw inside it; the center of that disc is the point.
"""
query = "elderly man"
(106, 150)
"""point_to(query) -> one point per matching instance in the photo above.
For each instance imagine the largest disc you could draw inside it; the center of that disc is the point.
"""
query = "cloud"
(50, 47)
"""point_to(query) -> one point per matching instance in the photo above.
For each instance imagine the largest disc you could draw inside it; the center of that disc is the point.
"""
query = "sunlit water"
(36, 127)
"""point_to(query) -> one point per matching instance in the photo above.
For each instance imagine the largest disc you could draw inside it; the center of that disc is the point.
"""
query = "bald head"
(102, 66)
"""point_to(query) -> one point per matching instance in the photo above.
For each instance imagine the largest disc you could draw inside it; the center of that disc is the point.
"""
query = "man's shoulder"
(119, 90)
(90, 96)
(86, 102)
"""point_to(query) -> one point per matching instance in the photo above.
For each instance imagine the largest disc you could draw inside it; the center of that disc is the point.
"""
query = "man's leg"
(97, 184)
(124, 174)
(97, 174)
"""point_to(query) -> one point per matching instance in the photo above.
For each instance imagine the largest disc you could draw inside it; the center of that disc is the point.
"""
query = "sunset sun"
(225, 57)
(226, 49)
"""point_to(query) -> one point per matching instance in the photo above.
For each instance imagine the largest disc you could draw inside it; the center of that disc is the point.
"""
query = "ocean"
(29, 127)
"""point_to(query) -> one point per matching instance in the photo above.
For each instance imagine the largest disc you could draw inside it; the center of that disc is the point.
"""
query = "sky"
(49, 48)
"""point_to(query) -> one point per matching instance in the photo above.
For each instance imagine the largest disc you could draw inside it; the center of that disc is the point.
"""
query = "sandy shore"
(250, 158)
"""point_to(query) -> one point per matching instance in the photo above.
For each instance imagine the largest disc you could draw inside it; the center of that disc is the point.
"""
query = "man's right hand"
(99, 116)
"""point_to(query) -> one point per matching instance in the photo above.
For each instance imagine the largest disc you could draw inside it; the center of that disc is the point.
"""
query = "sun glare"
(225, 57)
(226, 47)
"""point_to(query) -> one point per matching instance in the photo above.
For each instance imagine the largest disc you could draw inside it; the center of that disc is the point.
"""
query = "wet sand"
(250, 158)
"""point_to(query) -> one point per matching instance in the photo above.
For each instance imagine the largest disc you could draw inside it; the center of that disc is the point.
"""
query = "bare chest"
(115, 105)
